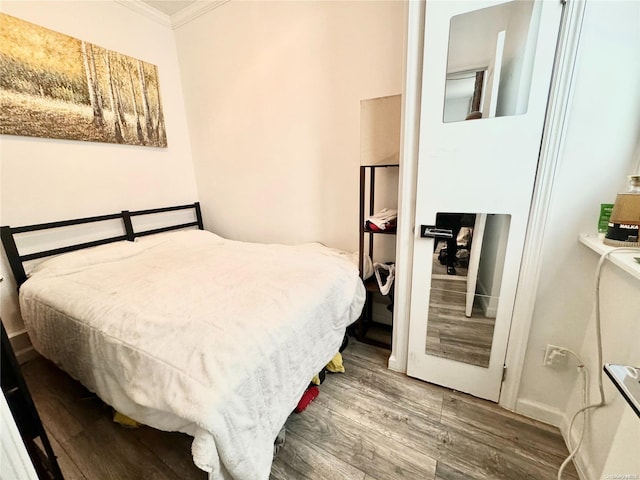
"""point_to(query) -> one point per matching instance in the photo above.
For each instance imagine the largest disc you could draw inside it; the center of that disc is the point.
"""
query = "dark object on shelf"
(624, 222)
(366, 327)
(26, 416)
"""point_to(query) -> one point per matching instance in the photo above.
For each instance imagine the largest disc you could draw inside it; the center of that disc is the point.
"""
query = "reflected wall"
(490, 61)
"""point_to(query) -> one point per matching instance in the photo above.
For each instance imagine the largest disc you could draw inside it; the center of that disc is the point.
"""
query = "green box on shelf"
(605, 214)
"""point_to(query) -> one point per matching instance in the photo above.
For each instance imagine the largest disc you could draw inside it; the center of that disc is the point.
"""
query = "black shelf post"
(367, 208)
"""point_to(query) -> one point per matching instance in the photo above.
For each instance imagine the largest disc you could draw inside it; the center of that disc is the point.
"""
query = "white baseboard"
(488, 303)
(22, 348)
(393, 365)
(554, 417)
(541, 412)
(26, 354)
(581, 459)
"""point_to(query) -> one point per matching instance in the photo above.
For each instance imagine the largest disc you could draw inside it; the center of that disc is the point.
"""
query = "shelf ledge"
(624, 260)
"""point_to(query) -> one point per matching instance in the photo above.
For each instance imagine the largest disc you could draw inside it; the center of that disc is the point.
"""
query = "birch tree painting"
(56, 86)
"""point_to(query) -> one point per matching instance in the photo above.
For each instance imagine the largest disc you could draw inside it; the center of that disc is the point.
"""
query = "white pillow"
(109, 252)
(179, 237)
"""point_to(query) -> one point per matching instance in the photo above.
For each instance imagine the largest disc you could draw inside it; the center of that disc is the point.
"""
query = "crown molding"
(142, 8)
(194, 11)
(176, 20)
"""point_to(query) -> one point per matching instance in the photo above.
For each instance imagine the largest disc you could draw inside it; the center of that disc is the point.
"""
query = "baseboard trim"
(26, 354)
(488, 303)
(552, 416)
(394, 365)
(541, 412)
(22, 348)
(580, 460)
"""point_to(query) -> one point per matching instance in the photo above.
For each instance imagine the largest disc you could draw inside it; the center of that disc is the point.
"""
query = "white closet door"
(485, 166)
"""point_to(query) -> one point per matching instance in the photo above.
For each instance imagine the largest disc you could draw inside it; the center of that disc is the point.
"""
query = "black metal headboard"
(16, 260)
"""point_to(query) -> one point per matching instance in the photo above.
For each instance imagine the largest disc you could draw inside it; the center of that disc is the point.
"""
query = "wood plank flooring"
(367, 424)
(451, 334)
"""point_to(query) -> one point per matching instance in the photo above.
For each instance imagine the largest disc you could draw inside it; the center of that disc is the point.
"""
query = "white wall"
(602, 136)
(519, 53)
(272, 92)
(473, 38)
(618, 458)
(494, 248)
(45, 180)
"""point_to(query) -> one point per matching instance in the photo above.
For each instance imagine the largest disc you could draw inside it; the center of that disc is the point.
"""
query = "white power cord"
(585, 400)
(582, 368)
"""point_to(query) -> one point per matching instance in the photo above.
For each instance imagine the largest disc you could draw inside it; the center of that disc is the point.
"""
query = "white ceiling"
(169, 7)
(172, 13)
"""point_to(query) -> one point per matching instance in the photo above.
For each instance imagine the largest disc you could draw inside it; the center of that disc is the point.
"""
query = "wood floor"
(450, 333)
(369, 424)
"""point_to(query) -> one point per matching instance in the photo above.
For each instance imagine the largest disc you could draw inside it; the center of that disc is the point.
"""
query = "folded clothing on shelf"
(385, 219)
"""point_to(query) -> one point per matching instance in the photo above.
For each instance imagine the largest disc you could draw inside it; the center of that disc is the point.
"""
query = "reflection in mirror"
(463, 94)
(490, 61)
(465, 286)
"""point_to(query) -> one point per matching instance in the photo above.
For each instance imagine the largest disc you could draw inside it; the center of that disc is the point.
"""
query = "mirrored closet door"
(486, 78)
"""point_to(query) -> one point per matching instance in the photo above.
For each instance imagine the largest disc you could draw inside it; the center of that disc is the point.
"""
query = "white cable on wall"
(583, 370)
(585, 400)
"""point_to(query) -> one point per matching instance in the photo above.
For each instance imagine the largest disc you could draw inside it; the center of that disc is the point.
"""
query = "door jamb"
(409, 144)
(551, 150)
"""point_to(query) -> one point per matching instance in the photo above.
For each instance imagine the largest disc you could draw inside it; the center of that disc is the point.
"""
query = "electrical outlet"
(555, 357)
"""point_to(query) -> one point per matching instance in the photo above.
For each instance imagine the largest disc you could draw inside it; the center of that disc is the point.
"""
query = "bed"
(183, 330)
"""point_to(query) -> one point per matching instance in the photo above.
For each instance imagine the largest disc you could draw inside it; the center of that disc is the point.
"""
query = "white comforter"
(191, 332)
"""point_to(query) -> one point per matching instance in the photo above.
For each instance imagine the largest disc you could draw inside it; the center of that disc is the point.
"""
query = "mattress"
(191, 332)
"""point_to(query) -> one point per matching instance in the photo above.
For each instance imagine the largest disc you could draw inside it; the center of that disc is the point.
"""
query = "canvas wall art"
(56, 86)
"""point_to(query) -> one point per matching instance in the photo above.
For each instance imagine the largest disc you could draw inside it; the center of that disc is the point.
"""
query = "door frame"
(560, 97)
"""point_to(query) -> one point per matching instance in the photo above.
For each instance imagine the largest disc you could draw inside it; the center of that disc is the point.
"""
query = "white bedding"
(191, 332)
